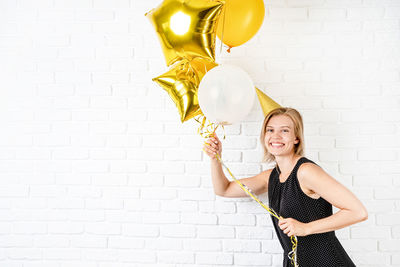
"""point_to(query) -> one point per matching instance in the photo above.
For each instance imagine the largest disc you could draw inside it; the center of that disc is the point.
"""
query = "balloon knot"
(229, 50)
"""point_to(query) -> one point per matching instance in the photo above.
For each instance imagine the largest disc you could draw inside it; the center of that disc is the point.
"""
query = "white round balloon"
(226, 94)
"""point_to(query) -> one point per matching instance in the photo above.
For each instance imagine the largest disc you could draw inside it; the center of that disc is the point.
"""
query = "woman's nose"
(276, 134)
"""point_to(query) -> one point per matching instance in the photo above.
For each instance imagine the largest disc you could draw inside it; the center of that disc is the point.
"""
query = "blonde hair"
(295, 116)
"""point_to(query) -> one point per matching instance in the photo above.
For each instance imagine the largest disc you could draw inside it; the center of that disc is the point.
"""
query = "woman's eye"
(285, 131)
(269, 130)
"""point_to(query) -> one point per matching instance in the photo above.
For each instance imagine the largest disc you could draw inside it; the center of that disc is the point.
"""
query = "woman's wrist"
(309, 228)
(215, 160)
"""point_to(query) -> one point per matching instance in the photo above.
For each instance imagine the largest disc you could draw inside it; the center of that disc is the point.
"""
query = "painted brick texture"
(96, 169)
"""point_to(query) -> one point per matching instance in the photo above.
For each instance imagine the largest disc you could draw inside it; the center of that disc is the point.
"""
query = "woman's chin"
(278, 153)
(275, 151)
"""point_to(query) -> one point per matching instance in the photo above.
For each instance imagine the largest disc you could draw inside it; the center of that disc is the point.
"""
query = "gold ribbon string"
(223, 30)
(207, 128)
(293, 253)
(206, 134)
(248, 190)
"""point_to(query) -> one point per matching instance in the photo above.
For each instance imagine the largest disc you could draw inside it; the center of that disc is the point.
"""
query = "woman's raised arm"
(222, 186)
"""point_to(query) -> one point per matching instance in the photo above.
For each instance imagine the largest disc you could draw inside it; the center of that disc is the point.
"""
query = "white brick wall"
(97, 171)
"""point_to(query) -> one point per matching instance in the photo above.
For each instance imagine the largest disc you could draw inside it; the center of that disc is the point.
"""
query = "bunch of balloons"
(187, 31)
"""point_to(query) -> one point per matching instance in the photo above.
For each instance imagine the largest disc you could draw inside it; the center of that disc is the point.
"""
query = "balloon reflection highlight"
(180, 23)
(186, 29)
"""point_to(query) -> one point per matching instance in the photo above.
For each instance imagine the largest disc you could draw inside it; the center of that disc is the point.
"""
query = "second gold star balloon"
(186, 28)
(182, 82)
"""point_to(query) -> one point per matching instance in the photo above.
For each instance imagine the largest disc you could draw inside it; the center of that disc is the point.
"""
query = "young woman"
(298, 190)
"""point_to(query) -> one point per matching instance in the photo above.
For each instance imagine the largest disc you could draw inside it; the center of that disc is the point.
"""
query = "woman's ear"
(296, 141)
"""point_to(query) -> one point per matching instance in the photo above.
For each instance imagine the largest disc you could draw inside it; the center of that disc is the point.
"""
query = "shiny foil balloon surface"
(186, 28)
(182, 81)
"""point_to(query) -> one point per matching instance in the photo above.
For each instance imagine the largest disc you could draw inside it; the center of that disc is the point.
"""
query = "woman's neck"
(286, 163)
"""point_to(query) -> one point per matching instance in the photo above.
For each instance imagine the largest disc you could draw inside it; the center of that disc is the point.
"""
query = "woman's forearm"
(336, 221)
(219, 180)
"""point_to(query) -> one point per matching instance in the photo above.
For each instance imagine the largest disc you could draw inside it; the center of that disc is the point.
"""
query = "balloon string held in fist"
(212, 147)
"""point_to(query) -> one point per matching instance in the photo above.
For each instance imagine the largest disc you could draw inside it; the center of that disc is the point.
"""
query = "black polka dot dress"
(289, 201)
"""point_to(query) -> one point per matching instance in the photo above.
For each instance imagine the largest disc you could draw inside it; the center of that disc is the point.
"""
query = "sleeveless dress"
(289, 201)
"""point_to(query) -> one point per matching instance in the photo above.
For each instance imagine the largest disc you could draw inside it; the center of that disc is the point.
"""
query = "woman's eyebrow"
(278, 126)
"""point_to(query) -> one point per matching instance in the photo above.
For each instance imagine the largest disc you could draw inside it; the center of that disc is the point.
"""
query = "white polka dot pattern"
(289, 201)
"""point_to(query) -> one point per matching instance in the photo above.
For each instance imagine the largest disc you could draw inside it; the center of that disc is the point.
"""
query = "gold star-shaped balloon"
(186, 28)
(182, 82)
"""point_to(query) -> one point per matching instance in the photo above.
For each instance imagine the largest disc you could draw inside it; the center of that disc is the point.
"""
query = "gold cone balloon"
(267, 104)
(186, 28)
(182, 82)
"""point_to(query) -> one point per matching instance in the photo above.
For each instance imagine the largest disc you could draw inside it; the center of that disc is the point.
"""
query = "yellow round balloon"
(240, 20)
(186, 28)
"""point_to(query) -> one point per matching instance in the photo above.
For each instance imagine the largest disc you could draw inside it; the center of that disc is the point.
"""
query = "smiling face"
(280, 138)
(282, 133)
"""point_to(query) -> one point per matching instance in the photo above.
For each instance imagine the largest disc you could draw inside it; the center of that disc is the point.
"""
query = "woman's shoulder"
(308, 169)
